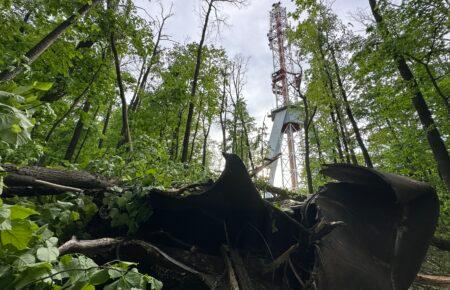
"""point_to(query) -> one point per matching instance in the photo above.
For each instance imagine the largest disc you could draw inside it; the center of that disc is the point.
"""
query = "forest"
(129, 160)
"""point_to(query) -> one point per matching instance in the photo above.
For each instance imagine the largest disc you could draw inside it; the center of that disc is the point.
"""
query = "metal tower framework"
(285, 117)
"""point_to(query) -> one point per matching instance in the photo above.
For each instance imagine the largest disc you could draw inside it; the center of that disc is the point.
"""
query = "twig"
(281, 259)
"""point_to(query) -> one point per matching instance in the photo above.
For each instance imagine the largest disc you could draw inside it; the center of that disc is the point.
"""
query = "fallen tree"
(370, 230)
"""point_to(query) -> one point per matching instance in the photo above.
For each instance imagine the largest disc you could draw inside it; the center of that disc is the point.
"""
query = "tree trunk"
(76, 133)
(336, 135)
(175, 136)
(205, 142)
(126, 128)
(342, 131)
(437, 146)
(47, 41)
(307, 120)
(349, 112)
(317, 139)
(86, 135)
(105, 125)
(223, 115)
(187, 131)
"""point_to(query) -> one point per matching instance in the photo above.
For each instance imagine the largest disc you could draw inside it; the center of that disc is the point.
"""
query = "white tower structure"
(285, 116)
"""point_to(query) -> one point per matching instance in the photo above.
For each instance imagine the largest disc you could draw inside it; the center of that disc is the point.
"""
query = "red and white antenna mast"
(285, 116)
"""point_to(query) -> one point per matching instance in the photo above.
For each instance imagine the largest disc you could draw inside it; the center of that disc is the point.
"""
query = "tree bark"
(349, 112)
(105, 125)
(86, 135)
(47, 41)
(187, 131)
(223, 115)
(76, 133)
(435, 141)
(125, 125)
(307, 120)
(317, 139)
(344, 136)
(205, 141)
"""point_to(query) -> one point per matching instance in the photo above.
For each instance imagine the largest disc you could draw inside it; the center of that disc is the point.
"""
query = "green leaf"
(42, 86)
(24, 260)
(18, 236)
(47, 254)
(31, 274)
(99, 277)
(21, 212)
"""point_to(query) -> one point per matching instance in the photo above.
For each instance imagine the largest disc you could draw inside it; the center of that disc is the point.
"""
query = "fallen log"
(369, 230)
(433, 280)
(34, 181)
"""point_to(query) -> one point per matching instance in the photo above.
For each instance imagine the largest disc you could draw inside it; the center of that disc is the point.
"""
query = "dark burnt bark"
(47, 41)
(435, 141)
(187, 131)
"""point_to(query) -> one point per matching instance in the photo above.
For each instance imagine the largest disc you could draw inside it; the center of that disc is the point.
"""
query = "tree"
(437, 146)
(210, 4)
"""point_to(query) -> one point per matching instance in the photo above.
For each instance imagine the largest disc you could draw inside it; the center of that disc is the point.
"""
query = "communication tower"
(285, 116)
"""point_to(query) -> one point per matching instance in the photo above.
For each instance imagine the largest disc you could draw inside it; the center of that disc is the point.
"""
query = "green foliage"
(29, 257)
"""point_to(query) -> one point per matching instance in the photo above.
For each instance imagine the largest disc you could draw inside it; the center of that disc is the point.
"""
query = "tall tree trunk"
(205, 141)
(307, 120)
(343, 135)
(175, 136)
(138, 83)
(125, 125)
(86, 135)
(223, 115)
(187, 131)
(349, 112)
(351, 147)
(336, 135)
(105, 125)
(47, 41)
(76, 133)
(317, 139)
(134, 104)
(437, 146)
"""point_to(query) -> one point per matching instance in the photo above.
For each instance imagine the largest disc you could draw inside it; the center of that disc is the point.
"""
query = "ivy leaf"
(47, 254)
(21, 212)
